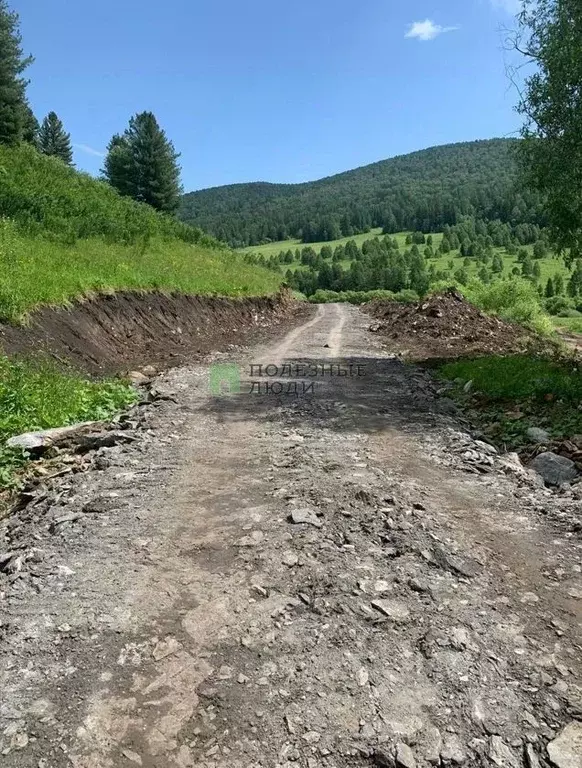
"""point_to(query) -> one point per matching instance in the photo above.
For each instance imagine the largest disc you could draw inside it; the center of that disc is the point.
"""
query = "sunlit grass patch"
(507, 395)
(36, 395)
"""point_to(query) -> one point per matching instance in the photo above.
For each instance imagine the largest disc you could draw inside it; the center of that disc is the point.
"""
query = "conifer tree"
(16, 120)
(54, 140)
(142, 164)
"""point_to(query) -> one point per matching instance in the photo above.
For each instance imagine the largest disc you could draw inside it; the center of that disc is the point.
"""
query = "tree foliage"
(420, 192)
(17, 123)
(53, 140)
(550, 35)
(142, 164)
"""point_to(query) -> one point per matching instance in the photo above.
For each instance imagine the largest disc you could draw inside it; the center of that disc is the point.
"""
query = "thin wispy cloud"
(89, 150)
(427, 30)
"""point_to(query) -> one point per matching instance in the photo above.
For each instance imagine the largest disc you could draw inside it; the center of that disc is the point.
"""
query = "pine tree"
(53, 139)
(549, 292)
(117, 165)
(16, 120)
(497, 264)
(142, 164)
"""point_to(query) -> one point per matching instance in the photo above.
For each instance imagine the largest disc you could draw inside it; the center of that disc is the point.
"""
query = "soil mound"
(123, 331)
(445, 326)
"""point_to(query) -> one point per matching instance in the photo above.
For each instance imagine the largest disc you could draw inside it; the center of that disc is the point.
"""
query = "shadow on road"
(348, 393)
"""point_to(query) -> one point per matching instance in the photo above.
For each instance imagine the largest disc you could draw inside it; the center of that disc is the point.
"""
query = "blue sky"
(266, 90)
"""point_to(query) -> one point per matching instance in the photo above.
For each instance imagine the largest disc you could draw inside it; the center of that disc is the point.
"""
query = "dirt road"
(339, 578)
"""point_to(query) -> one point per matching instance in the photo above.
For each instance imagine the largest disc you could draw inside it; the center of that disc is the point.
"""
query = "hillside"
(63, 235)
(424, 191)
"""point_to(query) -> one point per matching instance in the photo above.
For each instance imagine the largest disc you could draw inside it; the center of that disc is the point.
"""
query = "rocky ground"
(347, 577)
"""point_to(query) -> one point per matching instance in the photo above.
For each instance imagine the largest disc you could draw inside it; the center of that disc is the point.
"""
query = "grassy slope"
(36, 270)
(64, 235)
(550, 265)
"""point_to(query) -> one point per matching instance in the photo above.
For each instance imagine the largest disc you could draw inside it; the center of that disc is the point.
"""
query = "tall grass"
(36, 271)
(44, 196)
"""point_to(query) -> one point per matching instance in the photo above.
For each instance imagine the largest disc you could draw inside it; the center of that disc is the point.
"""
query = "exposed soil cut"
(123, 331)
(446, 326)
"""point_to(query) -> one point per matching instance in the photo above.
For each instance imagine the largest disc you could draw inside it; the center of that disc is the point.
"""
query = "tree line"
(474, 249)
(141, 163)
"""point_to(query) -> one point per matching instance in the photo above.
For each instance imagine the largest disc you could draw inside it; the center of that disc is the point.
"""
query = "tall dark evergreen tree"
(17, 122)
(116, 168)
(54, 140)
(142, 163)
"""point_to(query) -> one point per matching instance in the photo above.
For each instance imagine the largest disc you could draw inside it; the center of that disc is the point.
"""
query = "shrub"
(515, 299)
(557, 304)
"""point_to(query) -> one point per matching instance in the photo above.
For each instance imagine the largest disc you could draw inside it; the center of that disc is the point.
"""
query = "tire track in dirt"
(418, 610)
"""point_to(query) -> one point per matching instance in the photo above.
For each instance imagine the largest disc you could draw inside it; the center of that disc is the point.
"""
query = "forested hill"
(421, 191)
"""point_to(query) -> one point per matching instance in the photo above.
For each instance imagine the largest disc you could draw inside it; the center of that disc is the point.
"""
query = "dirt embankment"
(446, 326)
(123, 331)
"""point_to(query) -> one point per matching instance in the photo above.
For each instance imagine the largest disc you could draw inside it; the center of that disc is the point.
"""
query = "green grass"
(36, 271)
(509, 394)
(37, 395)
(271, 249)
(44, 196)
(568, 324)
(64, 236)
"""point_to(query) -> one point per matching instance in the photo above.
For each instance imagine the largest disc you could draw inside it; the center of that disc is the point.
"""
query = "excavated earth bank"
(119, 332)
(446, 326)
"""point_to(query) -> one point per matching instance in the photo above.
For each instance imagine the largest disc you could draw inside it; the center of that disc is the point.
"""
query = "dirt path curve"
(276, 580)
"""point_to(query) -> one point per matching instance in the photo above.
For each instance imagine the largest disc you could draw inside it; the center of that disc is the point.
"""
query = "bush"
(360, 297)
(516, 300)
(557, 304)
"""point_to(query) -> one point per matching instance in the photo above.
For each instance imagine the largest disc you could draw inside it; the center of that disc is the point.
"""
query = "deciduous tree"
(550, 36)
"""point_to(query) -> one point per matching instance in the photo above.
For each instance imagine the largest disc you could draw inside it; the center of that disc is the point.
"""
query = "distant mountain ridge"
(423, 190)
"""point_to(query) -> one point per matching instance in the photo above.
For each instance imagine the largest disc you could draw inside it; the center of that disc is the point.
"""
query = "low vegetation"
(360, 297)
(36, 270)
(37, 395)
(507, 395)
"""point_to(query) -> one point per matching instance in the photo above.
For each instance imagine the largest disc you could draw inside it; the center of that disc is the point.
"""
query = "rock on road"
(343, 578)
